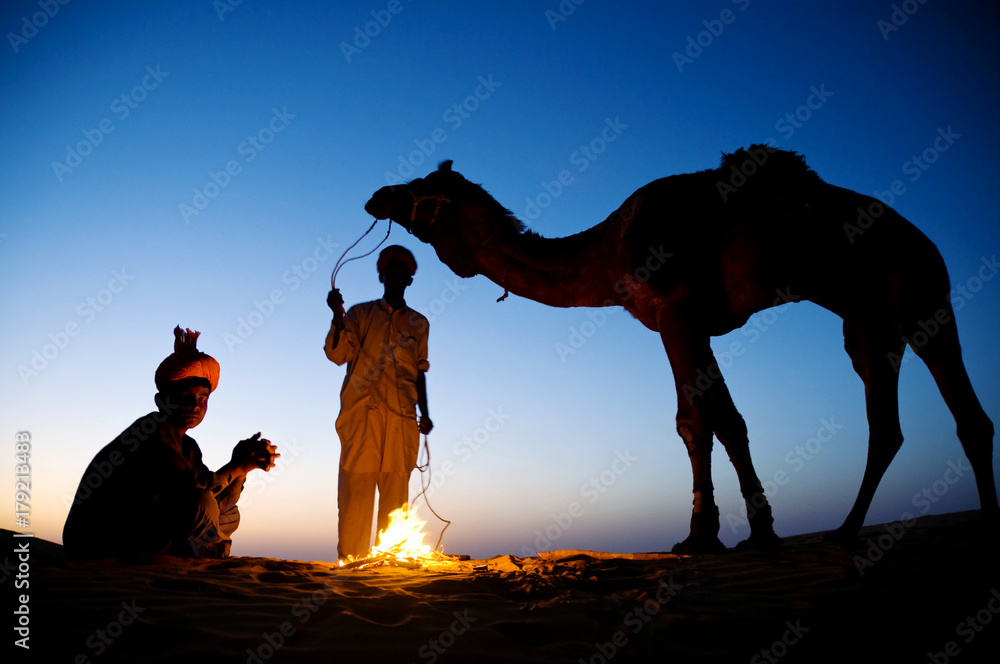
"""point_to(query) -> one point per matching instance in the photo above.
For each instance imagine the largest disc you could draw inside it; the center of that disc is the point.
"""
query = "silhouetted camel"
(694, 256)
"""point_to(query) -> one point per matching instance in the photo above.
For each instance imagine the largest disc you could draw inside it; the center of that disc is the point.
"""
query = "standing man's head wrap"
(186, 362)
(394, 252)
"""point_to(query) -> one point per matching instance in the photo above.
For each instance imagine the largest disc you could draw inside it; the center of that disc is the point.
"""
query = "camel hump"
(764, 165)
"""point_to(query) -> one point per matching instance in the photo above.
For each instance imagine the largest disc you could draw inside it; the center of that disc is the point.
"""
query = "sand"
(927, 591)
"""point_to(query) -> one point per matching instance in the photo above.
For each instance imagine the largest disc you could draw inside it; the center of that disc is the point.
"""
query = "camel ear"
(445, 166)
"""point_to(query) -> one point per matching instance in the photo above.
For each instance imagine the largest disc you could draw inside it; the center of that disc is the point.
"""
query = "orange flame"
(402, 540)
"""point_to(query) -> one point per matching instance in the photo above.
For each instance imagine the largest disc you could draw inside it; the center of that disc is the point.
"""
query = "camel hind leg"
(870, 347)
(937, 345)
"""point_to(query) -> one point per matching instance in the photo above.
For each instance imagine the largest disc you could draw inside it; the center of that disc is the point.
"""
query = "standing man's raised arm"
(335, 301)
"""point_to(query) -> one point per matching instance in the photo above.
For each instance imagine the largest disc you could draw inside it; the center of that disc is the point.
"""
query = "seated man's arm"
(254, 452)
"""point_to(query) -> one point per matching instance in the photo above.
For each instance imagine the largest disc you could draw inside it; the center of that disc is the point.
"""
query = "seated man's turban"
(186, 362)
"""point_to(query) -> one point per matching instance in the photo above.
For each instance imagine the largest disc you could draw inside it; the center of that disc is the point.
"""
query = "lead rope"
(426, 467)
(341, 262)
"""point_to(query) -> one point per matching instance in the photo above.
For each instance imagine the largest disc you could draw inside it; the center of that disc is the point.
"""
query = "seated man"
(148, 491)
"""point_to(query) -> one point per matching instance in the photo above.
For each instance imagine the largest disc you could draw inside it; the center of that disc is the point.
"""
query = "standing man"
(384, 344)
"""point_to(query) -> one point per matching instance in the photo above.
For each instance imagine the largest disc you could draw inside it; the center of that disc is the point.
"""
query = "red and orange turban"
(186, 362)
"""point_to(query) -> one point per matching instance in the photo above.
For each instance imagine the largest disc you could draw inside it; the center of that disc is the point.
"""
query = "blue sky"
(205, 164)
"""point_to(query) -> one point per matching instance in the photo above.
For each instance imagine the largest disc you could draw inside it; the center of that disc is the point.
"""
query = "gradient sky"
(202, 164)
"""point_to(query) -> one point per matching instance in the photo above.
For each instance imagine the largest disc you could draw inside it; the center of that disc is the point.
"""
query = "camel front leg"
(689, 352)
(731, 430)
(704, 537)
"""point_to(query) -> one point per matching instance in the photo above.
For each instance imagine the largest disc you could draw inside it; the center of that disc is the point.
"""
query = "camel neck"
(559, 272)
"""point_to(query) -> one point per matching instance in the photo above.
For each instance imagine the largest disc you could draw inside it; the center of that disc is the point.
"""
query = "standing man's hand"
(424, 423)
(335, 301)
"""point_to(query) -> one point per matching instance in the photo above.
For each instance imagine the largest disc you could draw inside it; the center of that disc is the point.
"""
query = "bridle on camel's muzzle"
(417, 200)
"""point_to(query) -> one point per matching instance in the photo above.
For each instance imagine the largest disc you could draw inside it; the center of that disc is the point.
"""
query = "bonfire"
(401, 544)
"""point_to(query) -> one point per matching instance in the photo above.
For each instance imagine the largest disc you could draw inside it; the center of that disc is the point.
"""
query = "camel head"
(453, 215)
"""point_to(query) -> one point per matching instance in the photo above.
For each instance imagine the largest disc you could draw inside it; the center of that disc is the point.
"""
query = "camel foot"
(765, 542)
(699, 544)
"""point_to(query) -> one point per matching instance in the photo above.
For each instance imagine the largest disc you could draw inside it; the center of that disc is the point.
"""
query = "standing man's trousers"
(356, 502)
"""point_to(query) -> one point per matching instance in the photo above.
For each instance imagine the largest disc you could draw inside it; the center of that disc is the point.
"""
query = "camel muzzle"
(380, 204)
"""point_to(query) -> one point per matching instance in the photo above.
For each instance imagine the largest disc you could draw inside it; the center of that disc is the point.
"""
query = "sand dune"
(925, 593)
